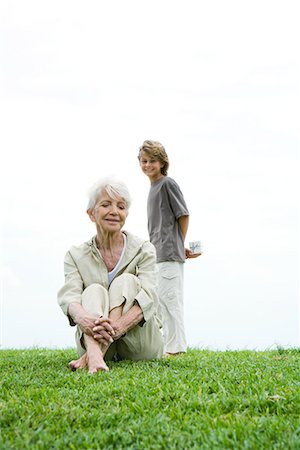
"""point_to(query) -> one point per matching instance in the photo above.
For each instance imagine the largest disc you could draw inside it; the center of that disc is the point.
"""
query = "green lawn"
(201, 400)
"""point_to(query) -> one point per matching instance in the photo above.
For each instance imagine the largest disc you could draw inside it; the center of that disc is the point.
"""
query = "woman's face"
(109, 214)
(150, 166)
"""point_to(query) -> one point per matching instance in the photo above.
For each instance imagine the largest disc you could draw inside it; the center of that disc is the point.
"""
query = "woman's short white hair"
(114, 188)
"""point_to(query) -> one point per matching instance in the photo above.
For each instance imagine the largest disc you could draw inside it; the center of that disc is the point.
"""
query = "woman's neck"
(109, 241)
(110, 247)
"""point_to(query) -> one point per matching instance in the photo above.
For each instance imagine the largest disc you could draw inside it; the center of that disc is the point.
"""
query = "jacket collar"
(133, 246)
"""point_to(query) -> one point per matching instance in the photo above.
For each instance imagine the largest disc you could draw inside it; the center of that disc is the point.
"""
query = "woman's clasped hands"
(103, 331)
(107, 330)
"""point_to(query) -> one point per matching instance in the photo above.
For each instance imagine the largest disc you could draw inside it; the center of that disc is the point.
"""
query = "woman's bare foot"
(95, 355)
(96, 361)
(80, 363)
(93, 361)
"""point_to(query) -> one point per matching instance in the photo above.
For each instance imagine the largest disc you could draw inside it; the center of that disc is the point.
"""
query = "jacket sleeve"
(146, 271)
(73, 287)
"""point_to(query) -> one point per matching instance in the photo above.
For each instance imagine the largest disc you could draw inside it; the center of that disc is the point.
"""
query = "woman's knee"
(95, 299)
(124, 283)
(93, 289)
(123, 291)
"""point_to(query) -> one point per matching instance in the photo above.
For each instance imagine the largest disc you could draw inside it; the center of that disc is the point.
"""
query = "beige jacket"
(84, 266)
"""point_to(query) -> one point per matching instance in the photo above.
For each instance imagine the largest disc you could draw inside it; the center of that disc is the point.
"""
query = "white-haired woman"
(110, 286)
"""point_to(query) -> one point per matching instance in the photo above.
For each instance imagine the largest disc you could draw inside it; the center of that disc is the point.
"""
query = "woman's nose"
(114, 209)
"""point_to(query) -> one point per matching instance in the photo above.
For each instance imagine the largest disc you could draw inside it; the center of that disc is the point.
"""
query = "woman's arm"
(69, 299)
(126, 322)
(87, 321)
(73, 287)
(146, 272)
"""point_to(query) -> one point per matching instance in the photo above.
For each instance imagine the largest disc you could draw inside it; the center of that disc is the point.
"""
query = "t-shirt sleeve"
(176, 199)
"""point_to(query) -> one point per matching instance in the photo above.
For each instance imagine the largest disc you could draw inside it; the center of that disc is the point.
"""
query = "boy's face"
(150, 166)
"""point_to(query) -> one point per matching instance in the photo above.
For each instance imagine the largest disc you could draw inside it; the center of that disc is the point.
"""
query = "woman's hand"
(85, 321)
(103, 330)
(120, 327)
(110, 330)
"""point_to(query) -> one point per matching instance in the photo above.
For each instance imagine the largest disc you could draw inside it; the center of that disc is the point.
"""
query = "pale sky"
(83, 84)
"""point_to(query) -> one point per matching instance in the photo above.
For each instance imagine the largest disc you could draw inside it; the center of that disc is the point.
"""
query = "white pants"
(170, 294)
(141, 342)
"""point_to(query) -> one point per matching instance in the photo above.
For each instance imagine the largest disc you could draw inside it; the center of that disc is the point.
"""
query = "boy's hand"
(189, 254)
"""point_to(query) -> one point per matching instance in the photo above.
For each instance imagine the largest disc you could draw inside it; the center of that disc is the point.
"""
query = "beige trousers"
(141, 342)
(171, 308)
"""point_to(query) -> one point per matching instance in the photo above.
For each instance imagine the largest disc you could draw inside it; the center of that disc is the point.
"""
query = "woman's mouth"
(112, 220)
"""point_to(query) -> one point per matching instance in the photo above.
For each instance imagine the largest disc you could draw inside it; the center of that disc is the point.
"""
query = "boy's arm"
(183, 222)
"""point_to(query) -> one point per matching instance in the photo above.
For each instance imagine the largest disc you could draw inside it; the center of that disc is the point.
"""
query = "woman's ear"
(90, 213)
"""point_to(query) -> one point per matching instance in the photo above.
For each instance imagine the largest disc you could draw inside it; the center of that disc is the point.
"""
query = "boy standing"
(168, 219)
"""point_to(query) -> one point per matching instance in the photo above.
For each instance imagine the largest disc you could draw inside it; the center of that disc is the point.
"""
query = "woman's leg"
(95, 301)
(141, 342)
(122, 294)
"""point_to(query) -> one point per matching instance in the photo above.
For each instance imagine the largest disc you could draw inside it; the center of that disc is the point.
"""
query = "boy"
(168, 219)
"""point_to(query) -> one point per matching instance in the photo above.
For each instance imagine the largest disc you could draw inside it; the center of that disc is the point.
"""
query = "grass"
(201, 400)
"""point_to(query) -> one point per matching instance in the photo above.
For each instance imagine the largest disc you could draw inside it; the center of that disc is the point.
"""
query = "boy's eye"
(144, 161)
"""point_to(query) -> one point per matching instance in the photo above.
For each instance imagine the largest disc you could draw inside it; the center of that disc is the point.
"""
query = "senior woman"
(110, 287)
